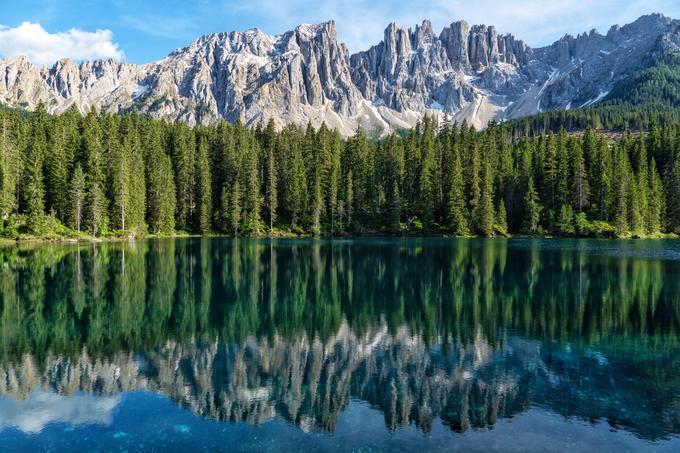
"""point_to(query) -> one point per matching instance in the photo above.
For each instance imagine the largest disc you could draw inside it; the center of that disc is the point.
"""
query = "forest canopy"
(104, 175)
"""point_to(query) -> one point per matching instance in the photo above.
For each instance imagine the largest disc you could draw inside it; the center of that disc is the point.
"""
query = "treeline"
(129, 175)
(136, 295)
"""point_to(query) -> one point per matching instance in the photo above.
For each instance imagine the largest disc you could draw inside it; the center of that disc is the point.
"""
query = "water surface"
(322, 345)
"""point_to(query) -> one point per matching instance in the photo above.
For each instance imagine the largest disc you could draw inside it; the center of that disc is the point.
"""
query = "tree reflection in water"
(465, 331)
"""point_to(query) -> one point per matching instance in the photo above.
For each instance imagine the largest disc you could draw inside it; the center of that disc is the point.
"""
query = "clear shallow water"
(376, 344)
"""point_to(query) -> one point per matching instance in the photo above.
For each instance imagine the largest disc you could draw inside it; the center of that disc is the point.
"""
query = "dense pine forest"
(105, 175)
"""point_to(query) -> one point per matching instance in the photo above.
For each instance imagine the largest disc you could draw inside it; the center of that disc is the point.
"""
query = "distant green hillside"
(651, 96)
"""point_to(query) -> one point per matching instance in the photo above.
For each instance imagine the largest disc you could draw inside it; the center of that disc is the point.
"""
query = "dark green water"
(351, 345)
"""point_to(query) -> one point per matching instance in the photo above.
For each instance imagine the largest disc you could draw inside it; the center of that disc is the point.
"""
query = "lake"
(341, 345)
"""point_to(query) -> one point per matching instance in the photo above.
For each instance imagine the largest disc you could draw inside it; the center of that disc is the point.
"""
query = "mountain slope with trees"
(636, 103)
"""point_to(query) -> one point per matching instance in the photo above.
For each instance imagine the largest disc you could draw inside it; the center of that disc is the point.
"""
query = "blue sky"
(146, 30)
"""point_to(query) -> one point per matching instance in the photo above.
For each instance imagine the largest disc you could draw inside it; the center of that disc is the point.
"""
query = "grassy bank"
(48, 229)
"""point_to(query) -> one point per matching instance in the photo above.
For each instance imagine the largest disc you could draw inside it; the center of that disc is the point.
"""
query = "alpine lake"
(377, 344)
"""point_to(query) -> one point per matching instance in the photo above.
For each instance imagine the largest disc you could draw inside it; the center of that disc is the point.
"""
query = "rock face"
(306, 74)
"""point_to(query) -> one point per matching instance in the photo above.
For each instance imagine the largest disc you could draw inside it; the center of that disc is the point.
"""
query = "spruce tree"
(474, 185)
(8, 170)
(185, 163)
(78, 191)
(271, 176)
(135, 210)
(484, 214)
(160, 185)
(297, 196)
(457, 212)
(203, 191)
(532, 208)
(120, 172)
(33, 183)
(251, 183)
(95, 217)
(395, 209)
(501, 223)
(579, 177)
(57, 164)
(657, 203)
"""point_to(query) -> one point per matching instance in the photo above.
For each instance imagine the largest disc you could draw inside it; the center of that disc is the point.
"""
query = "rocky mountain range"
(308, 75)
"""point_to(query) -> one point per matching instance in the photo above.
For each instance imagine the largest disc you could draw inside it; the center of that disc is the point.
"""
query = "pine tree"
(636, 219)
(532, 208)
(602, 175)
(566, 220)
(579, 177)
(395, 209)
(657, 203)
(8, 170)
(334, 176)
(563, 191)
(57, 164)
(160, 184)
(622, 178)
(457, 213)
(78, 191)
(349, 201)
(501, 223)
(674, 197)
(136, 200)
(203, 191)
(484, 214)
(317, 206)
(550, 174)
(251, 205)
(297, 197)
(271, 176)
(120, 173)
(33, 184)
(474, 185)
(93, 154)
(427, 179)
(185, 164)
(233, 207)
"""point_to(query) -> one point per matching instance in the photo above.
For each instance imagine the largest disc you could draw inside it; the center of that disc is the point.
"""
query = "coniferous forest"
(105, 175)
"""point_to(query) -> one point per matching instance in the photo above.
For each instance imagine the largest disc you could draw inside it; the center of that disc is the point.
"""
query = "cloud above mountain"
(44, 48)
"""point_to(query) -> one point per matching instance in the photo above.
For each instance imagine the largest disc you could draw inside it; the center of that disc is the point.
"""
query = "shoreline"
(94, 240)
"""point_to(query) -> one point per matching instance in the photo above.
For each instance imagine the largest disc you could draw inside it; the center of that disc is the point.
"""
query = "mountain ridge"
(306, 74)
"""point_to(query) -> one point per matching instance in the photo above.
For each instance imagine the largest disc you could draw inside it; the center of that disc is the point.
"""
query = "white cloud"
(44, 48)
(43, 408)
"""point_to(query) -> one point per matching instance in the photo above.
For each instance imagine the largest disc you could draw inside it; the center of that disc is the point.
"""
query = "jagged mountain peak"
(307, 75)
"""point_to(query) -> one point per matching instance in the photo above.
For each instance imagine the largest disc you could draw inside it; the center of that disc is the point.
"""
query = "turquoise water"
(341, 345)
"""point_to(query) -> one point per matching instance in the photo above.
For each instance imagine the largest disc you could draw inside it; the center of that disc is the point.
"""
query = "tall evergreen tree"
(95, 215)
(160, 185)
(458, 216)
(78, 191)
(532, 208)
(484, 213)
(9, 170)
(203, 188)
(34, 186)
(271, 176)
(579, 177)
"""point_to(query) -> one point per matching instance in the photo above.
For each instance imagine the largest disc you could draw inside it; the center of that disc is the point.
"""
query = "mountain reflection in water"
(465, 332)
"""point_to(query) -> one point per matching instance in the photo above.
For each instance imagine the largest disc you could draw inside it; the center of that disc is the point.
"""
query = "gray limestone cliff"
(305, 75)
